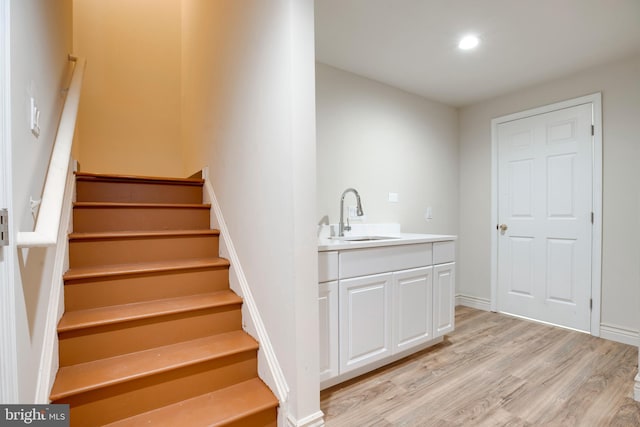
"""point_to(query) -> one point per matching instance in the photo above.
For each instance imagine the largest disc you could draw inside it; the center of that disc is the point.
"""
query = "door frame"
(595, 100)
(8, 349)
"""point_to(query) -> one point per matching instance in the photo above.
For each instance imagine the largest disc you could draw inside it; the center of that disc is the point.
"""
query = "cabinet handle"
(503, 227)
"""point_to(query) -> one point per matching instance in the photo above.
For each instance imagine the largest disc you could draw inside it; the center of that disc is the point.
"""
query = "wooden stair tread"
(142, 268)
(141, 205)
(87, 176)
(212, 409)
(81, 319)
(83, 377)
(152, 333)
(135, 234)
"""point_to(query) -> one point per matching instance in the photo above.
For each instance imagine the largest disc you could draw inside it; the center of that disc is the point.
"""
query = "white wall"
(8, 374)
(379, 139)
(40, 43)
(619, 83)
(248, 113)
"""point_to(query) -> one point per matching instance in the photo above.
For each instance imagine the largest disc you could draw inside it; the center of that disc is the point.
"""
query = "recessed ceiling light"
(468, 42)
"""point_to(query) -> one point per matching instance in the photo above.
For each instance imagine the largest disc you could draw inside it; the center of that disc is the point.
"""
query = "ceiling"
(412, 44)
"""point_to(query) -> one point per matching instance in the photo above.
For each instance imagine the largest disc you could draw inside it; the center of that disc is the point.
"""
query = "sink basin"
(363, 238)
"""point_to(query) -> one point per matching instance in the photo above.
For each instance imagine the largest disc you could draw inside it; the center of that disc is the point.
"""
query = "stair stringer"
(49, 356)
(274, 376)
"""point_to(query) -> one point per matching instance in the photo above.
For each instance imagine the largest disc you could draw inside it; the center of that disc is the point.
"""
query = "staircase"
(152, 334)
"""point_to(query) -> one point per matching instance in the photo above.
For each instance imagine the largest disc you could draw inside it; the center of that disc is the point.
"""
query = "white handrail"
(48, 221)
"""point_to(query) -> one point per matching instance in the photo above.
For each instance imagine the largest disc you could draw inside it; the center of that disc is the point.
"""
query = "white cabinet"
(443, 298)
(412, 307)
(378, 304)
(365, 320)
(384, 314)
(328, 320)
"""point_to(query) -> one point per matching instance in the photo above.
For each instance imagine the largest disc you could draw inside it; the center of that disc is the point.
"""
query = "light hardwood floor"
(496, 370)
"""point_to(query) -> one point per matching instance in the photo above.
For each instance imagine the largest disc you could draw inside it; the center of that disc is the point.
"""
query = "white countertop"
(335, 244)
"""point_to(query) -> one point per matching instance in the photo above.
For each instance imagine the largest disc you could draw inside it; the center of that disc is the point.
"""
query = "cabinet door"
(444, 284)
(365, 320)
(328, 313)
(413, 313)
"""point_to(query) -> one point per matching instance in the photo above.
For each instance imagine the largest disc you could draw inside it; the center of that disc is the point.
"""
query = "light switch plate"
(393, 197)
(428, 215)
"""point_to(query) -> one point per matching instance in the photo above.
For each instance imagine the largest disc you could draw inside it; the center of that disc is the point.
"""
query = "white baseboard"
(313, 420)
(619, 334)
(274, 376)
(473, 302)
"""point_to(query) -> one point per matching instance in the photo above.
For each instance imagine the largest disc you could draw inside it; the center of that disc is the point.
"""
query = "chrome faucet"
(359, 211)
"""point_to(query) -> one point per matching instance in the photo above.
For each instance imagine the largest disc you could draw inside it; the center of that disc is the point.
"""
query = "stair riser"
(151, 391)
(266, 418)
(94, 343)
(101, 292)
(89, 253)
(97, 219)
(134, 192)
(109, 404)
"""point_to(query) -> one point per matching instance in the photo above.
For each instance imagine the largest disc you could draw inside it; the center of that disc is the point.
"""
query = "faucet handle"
(347, 227)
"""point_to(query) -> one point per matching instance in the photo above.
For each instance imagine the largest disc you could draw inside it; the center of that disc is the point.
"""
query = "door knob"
(503, 227)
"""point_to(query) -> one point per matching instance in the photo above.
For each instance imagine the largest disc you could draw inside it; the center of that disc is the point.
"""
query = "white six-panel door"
(545, 216)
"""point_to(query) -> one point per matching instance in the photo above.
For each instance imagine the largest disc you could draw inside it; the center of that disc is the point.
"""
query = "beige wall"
(172, 86)
(379, 139)
(42, 29)
(619, 83)
(248, 111)
(129, 120)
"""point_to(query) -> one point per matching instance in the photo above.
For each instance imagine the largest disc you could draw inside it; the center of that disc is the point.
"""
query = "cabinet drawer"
(444, 252)
(327, 266)
(362, 262)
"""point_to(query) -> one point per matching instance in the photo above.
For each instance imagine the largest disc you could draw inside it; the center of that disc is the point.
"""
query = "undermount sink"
(363, 238)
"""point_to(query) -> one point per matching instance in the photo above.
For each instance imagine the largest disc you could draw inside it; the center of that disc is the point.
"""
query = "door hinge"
(590, 303)
(4, 227)
(593, 130)
(592, 217)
